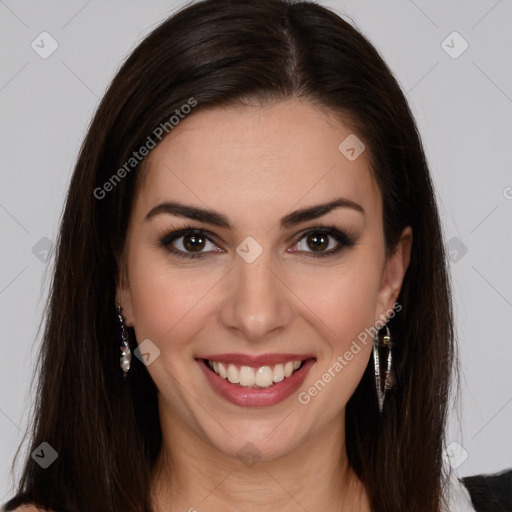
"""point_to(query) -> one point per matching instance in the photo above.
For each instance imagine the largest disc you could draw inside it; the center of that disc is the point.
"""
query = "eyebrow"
(217, 219)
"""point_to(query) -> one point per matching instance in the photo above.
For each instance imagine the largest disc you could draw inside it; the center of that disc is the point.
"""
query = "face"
(229, 259)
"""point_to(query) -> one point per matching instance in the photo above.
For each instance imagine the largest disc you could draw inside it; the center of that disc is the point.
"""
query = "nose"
(258, 302)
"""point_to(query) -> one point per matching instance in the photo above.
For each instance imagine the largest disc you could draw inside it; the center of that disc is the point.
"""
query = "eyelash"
(343, 239)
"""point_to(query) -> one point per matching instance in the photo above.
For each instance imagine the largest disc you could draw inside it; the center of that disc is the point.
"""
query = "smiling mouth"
(250, 377)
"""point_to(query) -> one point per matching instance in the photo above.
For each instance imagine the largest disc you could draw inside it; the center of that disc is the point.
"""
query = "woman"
(251, 233)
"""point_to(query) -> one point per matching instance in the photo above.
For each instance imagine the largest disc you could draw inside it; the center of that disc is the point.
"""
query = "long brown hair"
(221, 52)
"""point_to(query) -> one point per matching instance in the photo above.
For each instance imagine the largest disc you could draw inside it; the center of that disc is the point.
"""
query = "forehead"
(258, 159)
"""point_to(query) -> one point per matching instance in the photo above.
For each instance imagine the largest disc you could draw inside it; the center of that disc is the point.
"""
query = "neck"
(191, 475)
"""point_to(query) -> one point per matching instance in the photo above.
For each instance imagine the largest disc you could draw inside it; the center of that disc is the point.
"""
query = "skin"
(255, 164)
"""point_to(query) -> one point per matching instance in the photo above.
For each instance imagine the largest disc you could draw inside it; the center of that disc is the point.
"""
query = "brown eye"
(189, 243)
(194, 243)
(318, 242)
(323, 241)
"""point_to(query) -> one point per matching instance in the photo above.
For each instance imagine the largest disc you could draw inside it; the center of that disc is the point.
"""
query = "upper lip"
(256, 360)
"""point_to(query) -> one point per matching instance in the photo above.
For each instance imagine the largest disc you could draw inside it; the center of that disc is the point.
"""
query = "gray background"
(463, 107)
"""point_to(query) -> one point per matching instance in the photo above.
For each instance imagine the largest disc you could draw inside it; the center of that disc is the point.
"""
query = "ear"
(123, 292)
(393, 274)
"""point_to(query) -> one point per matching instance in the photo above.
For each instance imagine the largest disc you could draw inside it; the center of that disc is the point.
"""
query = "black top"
(490, 493)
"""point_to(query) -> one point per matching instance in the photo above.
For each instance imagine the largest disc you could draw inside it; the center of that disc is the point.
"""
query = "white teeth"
(288, 369)
(233, 374)
(278, 373)
(247, 376)
(262, 377)
(222, 371)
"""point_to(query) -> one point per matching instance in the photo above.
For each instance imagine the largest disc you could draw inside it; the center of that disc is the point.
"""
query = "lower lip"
(254, 397)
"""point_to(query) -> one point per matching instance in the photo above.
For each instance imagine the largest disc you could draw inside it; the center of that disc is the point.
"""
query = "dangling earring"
(126, 355)
(383, 387)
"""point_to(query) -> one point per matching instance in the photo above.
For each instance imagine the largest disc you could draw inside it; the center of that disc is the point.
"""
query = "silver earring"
(126, 355)
(383, 387)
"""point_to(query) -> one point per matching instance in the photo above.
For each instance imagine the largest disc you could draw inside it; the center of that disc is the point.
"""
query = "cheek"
(343, 301)
(167, 302)
(344, 308)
